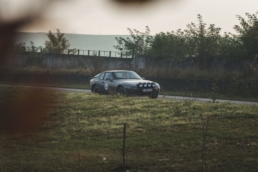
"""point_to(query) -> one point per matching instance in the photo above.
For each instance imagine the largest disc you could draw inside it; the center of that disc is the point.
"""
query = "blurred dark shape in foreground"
(24, 111)
(128, 6)
(135, 4)
(133, 1)
(125, 3)
(8, 36)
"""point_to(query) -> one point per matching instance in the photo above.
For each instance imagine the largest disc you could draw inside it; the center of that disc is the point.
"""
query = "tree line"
(198, 40)
(56, 43)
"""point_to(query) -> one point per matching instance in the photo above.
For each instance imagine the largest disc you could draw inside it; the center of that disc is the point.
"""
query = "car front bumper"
(140, 91)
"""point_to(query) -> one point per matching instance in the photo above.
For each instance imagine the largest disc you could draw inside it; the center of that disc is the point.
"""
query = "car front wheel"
(94, 89)
(154, 94)
(121, 90)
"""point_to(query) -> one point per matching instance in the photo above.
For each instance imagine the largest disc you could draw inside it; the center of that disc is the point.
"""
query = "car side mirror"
(143, 77)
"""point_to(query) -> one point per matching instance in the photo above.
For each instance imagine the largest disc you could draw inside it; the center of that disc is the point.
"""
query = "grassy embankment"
(84, 133)
(249, 74)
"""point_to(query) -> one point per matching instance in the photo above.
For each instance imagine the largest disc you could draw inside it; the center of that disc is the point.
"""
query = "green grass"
(75, 86)
(192, 94)
(83, 132)
(163, 92)
(42, 70)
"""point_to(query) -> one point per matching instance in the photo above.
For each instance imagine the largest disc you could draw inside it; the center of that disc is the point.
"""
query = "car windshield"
(126, 75)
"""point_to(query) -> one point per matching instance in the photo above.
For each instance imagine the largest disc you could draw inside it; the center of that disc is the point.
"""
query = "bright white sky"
(101, 17)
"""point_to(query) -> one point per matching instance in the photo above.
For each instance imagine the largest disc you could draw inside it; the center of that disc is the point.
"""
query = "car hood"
(134, 81)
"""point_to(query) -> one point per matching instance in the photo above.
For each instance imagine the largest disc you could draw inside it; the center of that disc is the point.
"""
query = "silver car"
(123, 82)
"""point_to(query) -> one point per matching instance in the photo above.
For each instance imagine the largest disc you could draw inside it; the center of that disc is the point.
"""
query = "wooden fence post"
(124, 137)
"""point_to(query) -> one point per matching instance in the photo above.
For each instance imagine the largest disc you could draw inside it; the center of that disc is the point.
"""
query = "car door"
(100, 84)
(108, 83)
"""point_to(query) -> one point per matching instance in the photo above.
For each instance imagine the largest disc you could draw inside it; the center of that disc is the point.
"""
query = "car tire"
(121, 91)
(94, 90)
(154, 94)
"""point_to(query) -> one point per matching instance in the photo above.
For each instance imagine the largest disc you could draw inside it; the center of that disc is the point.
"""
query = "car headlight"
(140, 85)
(149, 84)
(153, 85)
(145, 84)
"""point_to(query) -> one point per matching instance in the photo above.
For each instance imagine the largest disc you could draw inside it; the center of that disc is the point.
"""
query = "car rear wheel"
(121, 90)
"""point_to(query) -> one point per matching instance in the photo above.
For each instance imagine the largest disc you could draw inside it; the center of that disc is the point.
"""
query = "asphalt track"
(160, 96)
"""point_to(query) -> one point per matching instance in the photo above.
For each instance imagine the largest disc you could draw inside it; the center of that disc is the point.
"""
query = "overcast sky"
(102, 17)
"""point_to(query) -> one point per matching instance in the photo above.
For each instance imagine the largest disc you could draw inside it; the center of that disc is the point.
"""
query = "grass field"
(84, 132)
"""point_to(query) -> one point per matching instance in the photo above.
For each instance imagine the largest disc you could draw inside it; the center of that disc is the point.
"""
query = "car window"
(126, 75)
(108, 76)
(102, 76)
